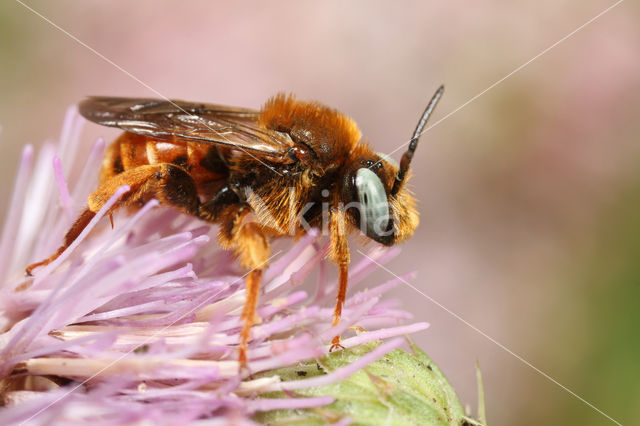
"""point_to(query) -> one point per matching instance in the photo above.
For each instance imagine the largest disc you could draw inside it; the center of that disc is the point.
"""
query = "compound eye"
(374, 209)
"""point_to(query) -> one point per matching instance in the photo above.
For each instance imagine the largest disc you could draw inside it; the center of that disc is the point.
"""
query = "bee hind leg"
(81, 222)
(169, 184)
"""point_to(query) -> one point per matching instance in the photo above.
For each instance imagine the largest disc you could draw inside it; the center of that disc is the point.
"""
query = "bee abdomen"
(125, 153)
(131, 150)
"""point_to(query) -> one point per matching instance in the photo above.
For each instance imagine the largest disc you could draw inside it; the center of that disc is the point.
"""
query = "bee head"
(374, 183)
(384, 217)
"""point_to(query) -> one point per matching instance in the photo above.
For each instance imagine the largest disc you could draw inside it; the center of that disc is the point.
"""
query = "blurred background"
(529, 195)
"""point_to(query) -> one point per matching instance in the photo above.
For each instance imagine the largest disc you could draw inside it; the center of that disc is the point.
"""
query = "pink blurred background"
(529, 195)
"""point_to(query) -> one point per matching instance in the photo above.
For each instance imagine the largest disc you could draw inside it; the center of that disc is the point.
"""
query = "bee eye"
(388, 159)
(374, 209)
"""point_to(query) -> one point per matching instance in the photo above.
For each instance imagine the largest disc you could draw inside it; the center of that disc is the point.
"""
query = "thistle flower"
(142, 322)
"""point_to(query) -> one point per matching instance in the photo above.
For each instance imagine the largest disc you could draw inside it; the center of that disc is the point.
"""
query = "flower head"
(142, 321)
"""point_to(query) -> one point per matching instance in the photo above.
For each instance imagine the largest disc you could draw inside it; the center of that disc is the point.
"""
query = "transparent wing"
(189, 121)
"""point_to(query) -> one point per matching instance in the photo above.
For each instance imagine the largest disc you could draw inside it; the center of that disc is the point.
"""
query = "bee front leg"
(339, 252)
(169, 184)
(250, 245)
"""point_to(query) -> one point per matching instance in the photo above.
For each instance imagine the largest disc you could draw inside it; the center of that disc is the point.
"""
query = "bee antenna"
(408, 155)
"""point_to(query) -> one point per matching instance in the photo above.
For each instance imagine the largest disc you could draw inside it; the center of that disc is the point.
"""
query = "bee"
(239, 167)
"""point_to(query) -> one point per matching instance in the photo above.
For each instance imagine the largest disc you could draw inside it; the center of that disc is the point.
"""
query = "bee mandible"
(238, 167)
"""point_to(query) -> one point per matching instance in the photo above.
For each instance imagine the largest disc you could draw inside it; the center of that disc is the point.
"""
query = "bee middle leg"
(250, 245)
(169, 184)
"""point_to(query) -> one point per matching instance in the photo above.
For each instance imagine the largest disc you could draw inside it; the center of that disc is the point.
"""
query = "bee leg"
(168, 183)
(250, 245)
(339, 252)
(249, 316)
(81, 222)
(342, 293)
(226, 196)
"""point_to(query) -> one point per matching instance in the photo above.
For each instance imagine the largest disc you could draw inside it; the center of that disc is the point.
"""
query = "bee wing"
(188, 121)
